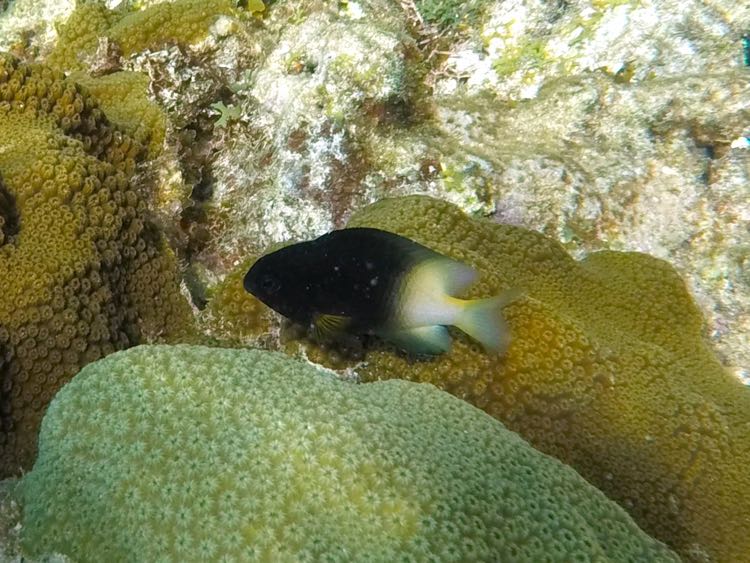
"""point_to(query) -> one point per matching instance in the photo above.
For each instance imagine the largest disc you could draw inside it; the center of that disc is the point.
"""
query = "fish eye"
(269, 284)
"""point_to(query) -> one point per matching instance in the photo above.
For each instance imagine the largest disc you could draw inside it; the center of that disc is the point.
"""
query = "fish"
(368, 281)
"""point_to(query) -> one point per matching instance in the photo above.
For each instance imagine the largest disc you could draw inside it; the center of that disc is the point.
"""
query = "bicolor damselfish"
(368, 281)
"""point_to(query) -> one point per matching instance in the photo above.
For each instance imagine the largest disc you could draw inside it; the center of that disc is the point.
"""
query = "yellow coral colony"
(85, 273)
(183, 21)
(607, 371)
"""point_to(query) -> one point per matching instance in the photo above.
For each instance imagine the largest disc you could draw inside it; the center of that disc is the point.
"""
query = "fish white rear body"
(426, 305)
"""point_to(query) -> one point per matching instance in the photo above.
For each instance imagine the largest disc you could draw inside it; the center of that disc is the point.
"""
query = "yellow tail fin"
(482, 320)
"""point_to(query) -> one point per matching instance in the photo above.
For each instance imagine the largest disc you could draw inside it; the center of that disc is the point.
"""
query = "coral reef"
(30, 26)
(83, 271)
(129, 32)
(605, 124)
(311, 109)
(515, 47)
(123, 97)
(195, 453)
(10, 529)
(578, 119)
(156, 69)
(235, 317)
(231, 126)
(660, 176)
(615, 131)
(607, 371)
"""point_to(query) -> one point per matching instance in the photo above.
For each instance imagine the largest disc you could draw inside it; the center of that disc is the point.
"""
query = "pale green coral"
(192, 453)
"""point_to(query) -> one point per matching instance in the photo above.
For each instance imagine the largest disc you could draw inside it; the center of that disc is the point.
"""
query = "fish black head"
(276, 280)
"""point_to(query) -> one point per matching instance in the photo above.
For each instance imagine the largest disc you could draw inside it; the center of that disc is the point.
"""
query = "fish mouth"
(247, 282)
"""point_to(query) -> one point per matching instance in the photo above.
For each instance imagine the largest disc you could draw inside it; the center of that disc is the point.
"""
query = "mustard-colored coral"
(234, 316)
(187, 453)
(181, 21)
(123, 96)
(78, 37)
(177, 22)
(86, 273)
(607, 371)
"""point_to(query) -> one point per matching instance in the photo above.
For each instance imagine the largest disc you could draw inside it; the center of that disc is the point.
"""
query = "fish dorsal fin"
(455, 276)
(326, 326)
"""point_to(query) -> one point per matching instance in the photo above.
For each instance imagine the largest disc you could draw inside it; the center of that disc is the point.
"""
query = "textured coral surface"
(193, 453)
(607, 371)
(234, 316)
(183, 21)
(603, 124)
(123, 98)
(82, 271)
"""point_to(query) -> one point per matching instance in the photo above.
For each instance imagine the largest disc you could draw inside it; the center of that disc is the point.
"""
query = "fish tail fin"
(482, 320)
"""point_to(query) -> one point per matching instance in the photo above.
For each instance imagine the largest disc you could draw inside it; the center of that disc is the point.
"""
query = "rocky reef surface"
(181, 139)
(605, 124)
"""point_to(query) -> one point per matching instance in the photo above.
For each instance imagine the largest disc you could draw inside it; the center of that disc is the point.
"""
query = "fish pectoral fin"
(326, 326)
(430, 340)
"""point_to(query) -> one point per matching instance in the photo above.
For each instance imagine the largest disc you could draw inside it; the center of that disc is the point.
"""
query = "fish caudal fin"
(482, 320)
(428, 340)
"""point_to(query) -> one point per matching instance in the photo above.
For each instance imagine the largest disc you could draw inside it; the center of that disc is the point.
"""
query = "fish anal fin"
(428, 340)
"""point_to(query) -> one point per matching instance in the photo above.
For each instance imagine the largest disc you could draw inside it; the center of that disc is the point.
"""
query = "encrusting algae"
(83, 273)
(607, 370)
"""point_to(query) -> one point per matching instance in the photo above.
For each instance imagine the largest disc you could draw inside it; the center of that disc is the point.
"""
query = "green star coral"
(177, 22)
(607, 371)
(201, 454)
(82, 271)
